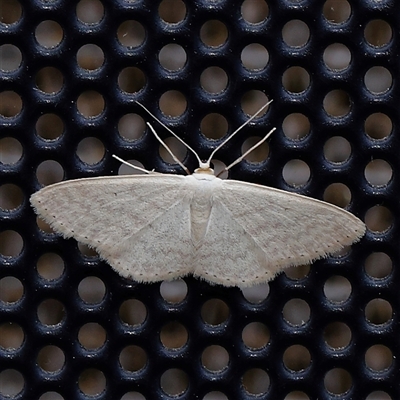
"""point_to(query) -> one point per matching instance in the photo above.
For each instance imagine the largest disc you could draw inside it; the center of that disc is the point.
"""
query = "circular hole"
(11, 57)
(214, 126)
(296, 173)
(49, 126)
(296, 80)
(296, 358)
(296, 312)
(90, 57)
(378, 80)
(172, 57)
(295, 33)
(174, 382)
(337, 103)
(215, 358)
(133, 312)
(131, 127)
(172, 103)
(215, 396)
(256, 294)
(11, 336)
(173, 291)
(255, 335)
(214, 80)
(337, 289)
(51, 312)
(90, 104)
(51, 396)
(337, 12)
(177, 148)
(378, 312)
(173, 335)
(297, 272)
(252, 101)
(90, 11)
(255, 11)
(254, 57)
(10, 150)
(133, 358)
(219, 169)
(378, 126)
(172, 11)
(296, 126)
(92, 382)
(378, 173)
(11, 197)
(214, 312)
(378, 33)
(337, 335)
(131, 34)
(49, 172)
(51, 359)
(213, 33)
(50, 266)
(259, 154)
(256, 381)
(378, 265)
(92, 290)
(131, 80)
(128, 170)
(378, 358)
(92, 336)
(10, 12)
(11, 383)
(10, 104)
(296, 395)
(44, 226)
(49, 34)
(133, 396)
(337, 57)
(90, 150)
(11, 244)
(49, 80)
(378, 219)
(378, 395)
(87, 251)
(337, 194)
(337, 381)
(11, 289)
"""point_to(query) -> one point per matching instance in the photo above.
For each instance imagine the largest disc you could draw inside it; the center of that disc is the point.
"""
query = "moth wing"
(272, 229)
(139, 224)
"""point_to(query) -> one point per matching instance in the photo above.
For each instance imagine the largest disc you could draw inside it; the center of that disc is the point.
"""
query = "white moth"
(161, 226)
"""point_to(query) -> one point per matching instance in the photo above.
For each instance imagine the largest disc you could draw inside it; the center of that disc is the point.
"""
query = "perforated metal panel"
(70, 327)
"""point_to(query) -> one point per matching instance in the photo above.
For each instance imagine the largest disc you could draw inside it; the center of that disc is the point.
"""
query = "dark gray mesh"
(71, 328)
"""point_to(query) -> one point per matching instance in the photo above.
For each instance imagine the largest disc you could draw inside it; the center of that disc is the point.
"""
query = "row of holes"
(213, 80)
(174, 382)
(50, 266)
(173, 336)
(174, 11)
(214, 358)
(296, 312)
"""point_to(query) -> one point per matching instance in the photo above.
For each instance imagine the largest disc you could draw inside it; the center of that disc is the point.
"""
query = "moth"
(157, 227)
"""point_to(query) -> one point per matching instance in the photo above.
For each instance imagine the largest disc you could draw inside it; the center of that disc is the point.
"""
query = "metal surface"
(330, 331)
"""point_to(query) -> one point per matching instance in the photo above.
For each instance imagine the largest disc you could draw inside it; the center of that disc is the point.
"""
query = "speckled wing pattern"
(139, 224)
(144, 225)
(262, 230)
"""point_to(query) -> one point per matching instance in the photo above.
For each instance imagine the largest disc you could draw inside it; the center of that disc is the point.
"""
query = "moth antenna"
(171, 132)
(237, 130)
(249, 150)
(168, 149)
(131, 165)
